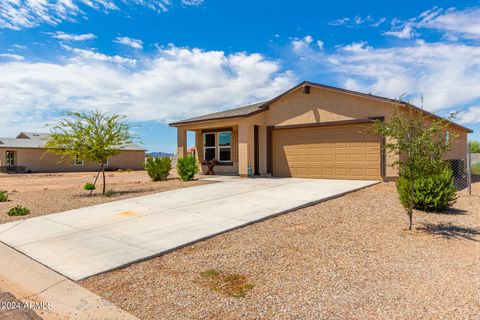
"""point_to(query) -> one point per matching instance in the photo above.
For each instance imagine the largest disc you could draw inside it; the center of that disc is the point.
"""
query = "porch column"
(181, 142)
(245, 148)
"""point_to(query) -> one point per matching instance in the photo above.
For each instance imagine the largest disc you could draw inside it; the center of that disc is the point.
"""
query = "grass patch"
(110, 193)
(3, 196)
(230, 284)
(18, 211)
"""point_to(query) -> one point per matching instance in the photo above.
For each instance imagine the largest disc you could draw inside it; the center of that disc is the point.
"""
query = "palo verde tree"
(92, 136)
(418, 142)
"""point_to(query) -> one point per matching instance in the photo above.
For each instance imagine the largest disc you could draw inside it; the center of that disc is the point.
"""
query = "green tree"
(418, 142)
(93, 136)
(475, 146)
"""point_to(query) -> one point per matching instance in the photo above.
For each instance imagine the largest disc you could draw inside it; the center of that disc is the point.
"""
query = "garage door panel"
(326, 152)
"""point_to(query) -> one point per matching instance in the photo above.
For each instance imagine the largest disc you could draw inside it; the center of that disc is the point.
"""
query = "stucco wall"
(36, 160)
(321, 105)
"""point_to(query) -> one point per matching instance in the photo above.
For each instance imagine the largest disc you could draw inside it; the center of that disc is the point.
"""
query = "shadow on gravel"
(450, 231)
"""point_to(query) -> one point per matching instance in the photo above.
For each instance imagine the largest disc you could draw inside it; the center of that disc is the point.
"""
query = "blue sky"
(164, 60)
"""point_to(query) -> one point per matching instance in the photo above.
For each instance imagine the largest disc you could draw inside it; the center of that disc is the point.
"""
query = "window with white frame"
(105, 162)
(78, 161)
(217, 146)
(225, 146)
(209, 146)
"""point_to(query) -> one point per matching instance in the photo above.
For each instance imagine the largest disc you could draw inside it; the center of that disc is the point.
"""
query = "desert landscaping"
(347, 258)
(46, 193)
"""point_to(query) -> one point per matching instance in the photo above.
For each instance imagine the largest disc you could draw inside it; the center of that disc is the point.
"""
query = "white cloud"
(177, 83)
(404, 32)
(453, 23)
(134, 43)
(358, 21)
(72, 37)
(84, 55)
(446, 74)
(12, 56)
(471, 115)
(19, 14)
(463, 23)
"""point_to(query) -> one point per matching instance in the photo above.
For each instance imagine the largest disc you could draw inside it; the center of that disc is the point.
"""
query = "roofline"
(3, 146)
(175, 124)
(265, 106)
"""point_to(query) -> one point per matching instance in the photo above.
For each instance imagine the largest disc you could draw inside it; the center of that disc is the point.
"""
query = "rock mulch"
(51, 193)
(347, 258)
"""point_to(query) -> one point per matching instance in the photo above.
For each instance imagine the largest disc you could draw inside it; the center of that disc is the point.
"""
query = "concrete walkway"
(41, 291)
(84, 242)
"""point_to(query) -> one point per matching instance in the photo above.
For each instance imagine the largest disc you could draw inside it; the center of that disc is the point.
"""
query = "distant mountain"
(159, 154)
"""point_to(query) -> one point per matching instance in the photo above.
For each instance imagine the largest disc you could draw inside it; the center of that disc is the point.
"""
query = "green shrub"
(434, 193)
(3, 196)
(110, 193)
(475, 147)
(158, 168)
(18, 211)
(89, 186)
(187, 167)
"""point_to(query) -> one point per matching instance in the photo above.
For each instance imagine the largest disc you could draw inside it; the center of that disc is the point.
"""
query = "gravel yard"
(50, 193)
(347, 258)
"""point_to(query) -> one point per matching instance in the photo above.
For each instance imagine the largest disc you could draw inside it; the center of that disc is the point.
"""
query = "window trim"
(224, 147)
(214, 147)
(217, 147)
(75, 161)
(105, 164)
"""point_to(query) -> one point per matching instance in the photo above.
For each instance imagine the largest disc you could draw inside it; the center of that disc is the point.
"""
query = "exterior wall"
(37, 160)
(321, 105)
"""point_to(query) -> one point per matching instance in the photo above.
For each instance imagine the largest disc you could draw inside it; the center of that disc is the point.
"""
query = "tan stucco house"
(311, 130)
(26, 153)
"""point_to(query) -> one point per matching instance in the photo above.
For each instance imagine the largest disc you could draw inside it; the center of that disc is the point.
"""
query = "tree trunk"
(96, 178)
(103, 174)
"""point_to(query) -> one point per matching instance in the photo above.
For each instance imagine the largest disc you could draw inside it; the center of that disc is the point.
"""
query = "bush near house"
(475, 147)
(433, 193)
(425, 182)
(187, 167)
(89, 186)
(18, 211)
(3, 196)
(158, 168)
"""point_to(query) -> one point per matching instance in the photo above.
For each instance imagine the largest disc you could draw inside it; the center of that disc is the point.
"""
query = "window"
(78, 161)
(225, 146)
(10, 155)
(105, 163)
(209, 146)
(217, 146)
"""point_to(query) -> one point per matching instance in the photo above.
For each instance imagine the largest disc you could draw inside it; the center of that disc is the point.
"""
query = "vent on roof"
(306, 89)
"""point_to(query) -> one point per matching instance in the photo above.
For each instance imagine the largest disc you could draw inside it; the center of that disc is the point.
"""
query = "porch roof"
(244, 111)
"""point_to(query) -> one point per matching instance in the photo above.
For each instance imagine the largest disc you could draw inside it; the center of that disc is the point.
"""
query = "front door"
(10, 158)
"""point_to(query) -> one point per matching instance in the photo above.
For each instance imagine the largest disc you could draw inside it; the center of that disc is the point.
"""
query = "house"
(26, 153)
(310, 131)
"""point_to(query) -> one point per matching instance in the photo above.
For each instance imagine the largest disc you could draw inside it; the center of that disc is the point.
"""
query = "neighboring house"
(311, 131)
(26, 153)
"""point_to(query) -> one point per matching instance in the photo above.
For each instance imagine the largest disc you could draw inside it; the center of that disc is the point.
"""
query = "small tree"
(475, 146)
(93, 136)
(418, 144)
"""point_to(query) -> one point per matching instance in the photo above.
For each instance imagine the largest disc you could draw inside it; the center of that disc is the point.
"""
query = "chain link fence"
(466, 168)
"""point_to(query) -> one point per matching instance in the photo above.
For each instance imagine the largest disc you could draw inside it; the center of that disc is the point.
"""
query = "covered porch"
(239, 148)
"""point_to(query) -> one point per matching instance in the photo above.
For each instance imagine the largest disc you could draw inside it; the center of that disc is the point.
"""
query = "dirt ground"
(347, 258)
(57, 192)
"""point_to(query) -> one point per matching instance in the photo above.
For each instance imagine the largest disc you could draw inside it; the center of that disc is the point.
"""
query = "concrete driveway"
(84, 242)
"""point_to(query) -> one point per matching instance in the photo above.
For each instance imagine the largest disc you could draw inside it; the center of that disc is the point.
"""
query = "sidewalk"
(48, 294)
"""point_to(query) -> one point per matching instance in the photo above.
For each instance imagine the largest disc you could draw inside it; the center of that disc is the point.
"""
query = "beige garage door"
(339, 152)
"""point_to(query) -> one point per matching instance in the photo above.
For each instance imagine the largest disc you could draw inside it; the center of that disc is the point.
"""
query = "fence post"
(469, 171)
